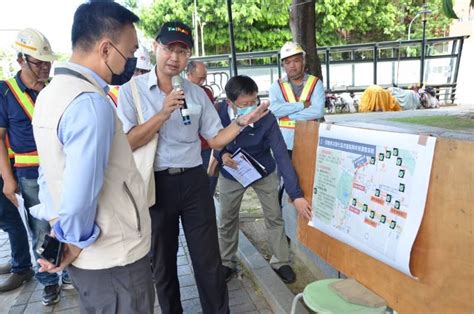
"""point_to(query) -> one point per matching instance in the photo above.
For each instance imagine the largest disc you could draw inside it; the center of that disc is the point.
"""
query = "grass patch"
(446, 122)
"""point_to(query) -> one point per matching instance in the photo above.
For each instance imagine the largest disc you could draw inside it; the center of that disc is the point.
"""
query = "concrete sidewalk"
(244, 297)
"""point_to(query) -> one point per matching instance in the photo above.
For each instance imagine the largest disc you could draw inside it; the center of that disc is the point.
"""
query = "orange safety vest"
(29, 159)
(289, 96)
(113, 94)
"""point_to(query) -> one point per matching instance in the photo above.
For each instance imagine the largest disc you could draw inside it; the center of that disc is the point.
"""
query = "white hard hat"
(290, 49)
(143, 59)
(33, 43)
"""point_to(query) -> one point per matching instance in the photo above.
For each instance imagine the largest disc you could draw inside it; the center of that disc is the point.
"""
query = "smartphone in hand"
(51, 250)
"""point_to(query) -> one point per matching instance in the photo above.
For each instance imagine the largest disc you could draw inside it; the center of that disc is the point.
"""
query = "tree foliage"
(263, 24)
(258, 24)
(354, 21)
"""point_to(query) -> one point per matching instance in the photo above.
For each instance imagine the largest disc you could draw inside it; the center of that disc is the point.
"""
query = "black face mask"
(126, 75)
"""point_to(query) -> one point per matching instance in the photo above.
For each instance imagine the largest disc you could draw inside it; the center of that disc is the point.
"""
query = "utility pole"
(303, 28)
(203, 53)
(232, 39)
(196, 29)
(423, 47)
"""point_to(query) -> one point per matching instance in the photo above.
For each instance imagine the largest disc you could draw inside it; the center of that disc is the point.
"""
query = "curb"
(277, 294)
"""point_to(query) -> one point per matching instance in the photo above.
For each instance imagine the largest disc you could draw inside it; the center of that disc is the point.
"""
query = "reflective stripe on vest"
(26, 159)
(11, 153)
(289, 96)
(113, 94)
(23, 99)
(26, 103)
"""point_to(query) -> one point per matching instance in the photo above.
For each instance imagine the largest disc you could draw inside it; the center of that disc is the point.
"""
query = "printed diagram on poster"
(370, 190)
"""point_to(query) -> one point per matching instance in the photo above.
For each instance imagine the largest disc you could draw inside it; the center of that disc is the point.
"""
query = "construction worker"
(298, 95)
(143, 66)
(17, 100)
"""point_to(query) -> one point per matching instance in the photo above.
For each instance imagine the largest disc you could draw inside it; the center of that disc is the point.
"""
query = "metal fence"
(355, 67)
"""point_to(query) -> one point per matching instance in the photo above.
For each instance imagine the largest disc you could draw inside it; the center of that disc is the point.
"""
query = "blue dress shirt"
(86, 131)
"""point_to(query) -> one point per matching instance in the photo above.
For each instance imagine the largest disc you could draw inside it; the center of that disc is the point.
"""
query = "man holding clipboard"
(248, 161)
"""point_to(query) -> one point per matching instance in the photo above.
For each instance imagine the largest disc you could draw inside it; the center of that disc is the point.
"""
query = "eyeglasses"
(256, 102)
(38, 63)
(116, 49)
(181, 52)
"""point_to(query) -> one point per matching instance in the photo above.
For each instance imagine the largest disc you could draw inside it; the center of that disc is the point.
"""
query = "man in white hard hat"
(298, 95)
(17, 103)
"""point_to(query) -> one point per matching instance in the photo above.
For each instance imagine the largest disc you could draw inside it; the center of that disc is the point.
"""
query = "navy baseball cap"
(175, 32)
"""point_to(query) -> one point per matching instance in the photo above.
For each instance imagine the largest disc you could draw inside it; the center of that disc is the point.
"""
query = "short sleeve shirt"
(18, 125)
(178, 144)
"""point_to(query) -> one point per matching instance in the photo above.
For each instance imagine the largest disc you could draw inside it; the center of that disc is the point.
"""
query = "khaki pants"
(231, 194)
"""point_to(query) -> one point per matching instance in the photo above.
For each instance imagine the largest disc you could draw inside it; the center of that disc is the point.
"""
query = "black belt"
(174, 171)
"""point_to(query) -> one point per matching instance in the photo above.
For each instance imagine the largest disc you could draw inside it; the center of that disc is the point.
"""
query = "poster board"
(443, 254)
(370, 189)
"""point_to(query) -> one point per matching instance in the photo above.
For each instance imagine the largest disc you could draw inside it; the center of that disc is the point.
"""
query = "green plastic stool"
(320, 298)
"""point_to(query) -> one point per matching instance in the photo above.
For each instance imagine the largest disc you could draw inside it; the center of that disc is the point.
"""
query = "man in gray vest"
(93, 193)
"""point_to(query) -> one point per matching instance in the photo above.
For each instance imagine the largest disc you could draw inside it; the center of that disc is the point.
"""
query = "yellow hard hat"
(290, 49)
(31, 42)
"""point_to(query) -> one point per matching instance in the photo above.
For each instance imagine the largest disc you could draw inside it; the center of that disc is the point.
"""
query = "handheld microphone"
(177, 83)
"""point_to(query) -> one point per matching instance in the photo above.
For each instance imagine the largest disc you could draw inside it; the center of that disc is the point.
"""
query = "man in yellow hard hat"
(298, 95)
(17, 102)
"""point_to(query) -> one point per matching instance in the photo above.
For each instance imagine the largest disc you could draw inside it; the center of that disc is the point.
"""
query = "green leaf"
(448, 9)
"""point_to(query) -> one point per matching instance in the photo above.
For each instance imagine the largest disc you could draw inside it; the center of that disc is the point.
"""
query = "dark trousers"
(282, 184)
(186, 196)
(10, 222)
(122, 289)
(29, 191)
(206, 156)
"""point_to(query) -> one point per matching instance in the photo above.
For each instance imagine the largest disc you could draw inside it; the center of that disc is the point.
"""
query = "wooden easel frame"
(443, 254)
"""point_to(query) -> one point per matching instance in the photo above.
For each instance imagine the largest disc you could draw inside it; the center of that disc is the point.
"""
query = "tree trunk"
(303, 29)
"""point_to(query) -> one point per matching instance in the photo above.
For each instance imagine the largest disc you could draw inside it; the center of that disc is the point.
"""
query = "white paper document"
(370, 190)
(23, 213)
(245, 173)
